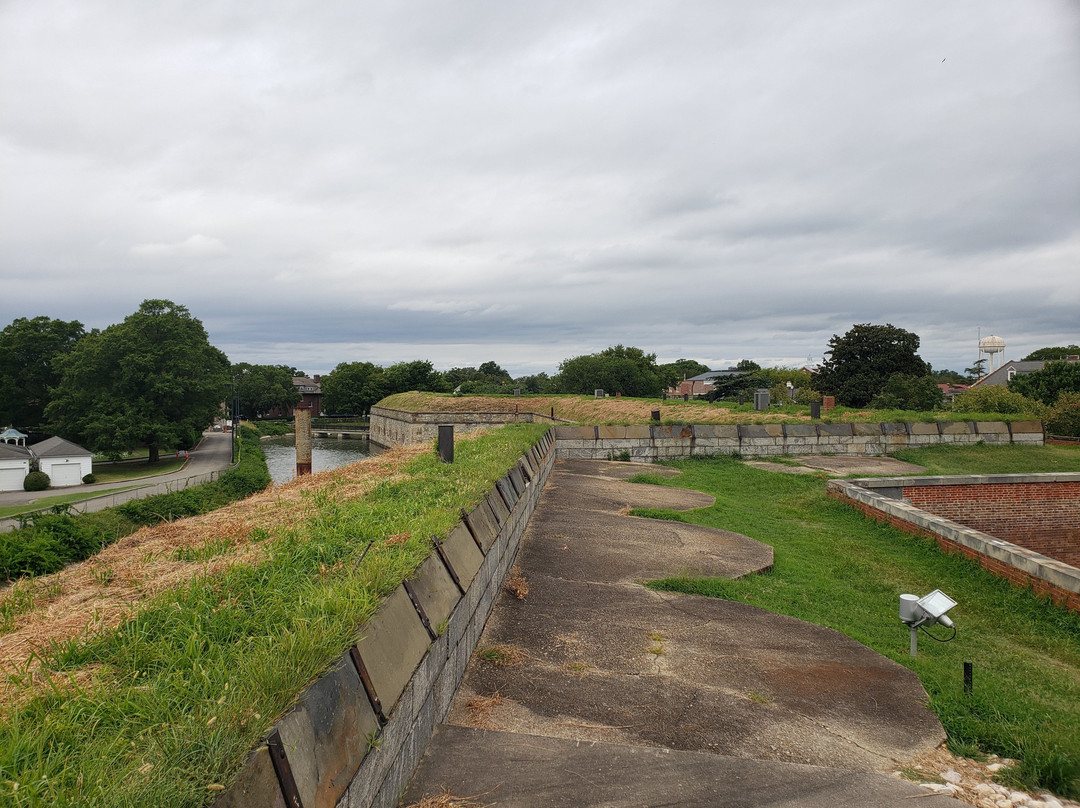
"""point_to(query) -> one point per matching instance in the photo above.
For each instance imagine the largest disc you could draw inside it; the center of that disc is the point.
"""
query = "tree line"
(154, 380)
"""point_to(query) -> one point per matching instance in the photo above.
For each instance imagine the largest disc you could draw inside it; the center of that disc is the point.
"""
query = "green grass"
(984, 459)
(838, 569)
(183, 690)
(117, 472)
(63, 499)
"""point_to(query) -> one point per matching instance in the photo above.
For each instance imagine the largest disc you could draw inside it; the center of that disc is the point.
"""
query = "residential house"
(14, 466)
(1001, 376)
(63, 461)
(310, 388)
(702, 384)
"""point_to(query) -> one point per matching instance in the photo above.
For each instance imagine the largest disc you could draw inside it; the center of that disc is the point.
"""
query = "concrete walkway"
(593, 690)
(211, 455)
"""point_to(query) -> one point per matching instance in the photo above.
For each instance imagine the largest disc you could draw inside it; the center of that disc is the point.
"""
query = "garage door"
(12, 479)
(66, 474)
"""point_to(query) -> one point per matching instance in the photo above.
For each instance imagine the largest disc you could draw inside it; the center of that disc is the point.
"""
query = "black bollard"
(815, 409)
(446, 442)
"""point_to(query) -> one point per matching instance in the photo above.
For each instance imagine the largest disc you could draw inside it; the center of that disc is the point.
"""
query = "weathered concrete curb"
(388, 428)
(355, 736)
(880, 498)
(647, 444)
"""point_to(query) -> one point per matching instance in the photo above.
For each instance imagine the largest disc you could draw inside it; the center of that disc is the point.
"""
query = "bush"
(995, 399)
(1064, 417)
(89, 478)
(36, 481)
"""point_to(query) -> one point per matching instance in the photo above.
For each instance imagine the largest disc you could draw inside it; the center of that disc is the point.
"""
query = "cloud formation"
(524, 183)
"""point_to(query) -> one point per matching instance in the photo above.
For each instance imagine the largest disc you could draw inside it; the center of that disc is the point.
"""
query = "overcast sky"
(525, 182)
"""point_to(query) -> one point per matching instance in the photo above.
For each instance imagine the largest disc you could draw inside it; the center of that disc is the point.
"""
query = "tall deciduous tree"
(352, 387)
(153, 380)
(674, 372)
(1051, 354)
(263, 387)
(628, 370)
(29, 353)
(858, 364)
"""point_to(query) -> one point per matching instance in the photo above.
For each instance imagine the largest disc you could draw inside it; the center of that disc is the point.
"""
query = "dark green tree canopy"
(153, 380)
(489, 378)
(416, 375)
(628, 370)
(903, 392)
(1051, 354)
(30, 350)
(352, 388)
(1047, 384)
(858, 364)
(264, 387)
(674, 372)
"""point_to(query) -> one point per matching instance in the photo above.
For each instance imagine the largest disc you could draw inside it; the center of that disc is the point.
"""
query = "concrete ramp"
(513, 770)
(594, 690)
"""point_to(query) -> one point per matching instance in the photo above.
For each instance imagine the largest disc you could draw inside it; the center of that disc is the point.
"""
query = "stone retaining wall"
(647, 444)
(355, 736)
(884, 499)
(389, 428)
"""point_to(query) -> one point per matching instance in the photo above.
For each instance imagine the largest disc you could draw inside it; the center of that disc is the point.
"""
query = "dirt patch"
(868, 466)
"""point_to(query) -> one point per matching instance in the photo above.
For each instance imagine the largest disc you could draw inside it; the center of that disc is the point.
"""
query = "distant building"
(14, 466)
(702, 384)
(63, 461)
(310, 388)
(1009, 370)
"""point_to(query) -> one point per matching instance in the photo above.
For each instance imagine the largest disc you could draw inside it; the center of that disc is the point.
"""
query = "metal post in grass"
(302, 427)
(815, 409)
(446, 442)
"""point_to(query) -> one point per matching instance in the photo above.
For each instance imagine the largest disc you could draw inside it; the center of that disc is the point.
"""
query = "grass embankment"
(618, 411)
(162, 708)
(838, 569)
(57, 501)
(983, 459)
(120, 472)
(49, 541)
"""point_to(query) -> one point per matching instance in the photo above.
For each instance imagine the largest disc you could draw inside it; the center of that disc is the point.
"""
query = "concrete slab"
(325, 736)
(464, 555)
(524, 771)
(436, 591)
(867, 466)
(256, 785)
(483, 522)
(392, 645)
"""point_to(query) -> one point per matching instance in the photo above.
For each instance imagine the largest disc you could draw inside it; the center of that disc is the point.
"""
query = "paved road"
(212, 455)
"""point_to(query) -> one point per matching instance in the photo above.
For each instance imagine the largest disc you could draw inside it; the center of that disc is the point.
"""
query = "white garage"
(14, 466)
(63, 461)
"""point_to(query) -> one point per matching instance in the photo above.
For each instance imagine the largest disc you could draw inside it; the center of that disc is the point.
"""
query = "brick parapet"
(1023, 566)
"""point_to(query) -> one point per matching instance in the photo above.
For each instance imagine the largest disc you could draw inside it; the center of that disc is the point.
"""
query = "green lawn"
(984, 459)
(836, 568)
(63, 499)
(117, 472)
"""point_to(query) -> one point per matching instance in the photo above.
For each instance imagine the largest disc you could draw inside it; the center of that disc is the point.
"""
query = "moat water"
(326, 454)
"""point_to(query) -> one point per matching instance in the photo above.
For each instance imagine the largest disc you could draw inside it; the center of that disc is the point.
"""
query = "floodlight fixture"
(924, 612)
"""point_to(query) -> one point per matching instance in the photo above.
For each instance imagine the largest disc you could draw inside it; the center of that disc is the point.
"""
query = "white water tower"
(991, 345)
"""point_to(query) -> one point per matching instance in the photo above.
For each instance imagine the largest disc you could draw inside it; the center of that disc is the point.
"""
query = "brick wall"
(1044, 517)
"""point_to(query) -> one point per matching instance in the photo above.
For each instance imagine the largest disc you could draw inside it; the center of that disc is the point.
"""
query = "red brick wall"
(1057, 594)
(1044, 517)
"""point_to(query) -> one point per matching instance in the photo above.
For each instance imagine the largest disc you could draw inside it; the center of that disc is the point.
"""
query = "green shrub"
(995, 399)
(36, 481)
(89, 478)
(1064, 417)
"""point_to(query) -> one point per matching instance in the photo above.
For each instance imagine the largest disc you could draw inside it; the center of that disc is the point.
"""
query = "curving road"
(212, 455)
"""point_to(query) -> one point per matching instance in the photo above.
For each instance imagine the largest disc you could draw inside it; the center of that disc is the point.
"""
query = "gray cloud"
(526, 182)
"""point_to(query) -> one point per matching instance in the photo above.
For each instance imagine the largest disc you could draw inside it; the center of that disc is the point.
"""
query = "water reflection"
(326, 453)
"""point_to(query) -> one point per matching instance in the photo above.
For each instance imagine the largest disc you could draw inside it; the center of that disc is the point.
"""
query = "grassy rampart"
(161, 706)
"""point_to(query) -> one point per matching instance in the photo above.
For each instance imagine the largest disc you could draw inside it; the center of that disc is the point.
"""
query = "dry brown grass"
(516, 584)
(101, 592)
(584, 410)
(479, 709)
(448, 800)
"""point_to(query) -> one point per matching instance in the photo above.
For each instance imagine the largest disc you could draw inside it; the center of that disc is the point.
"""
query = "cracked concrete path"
(594, 674)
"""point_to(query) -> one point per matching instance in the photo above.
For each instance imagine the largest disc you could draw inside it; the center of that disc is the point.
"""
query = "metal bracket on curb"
(472, 531)
(365, 680)
(449, 567)
(283, 770)
(419, 610)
